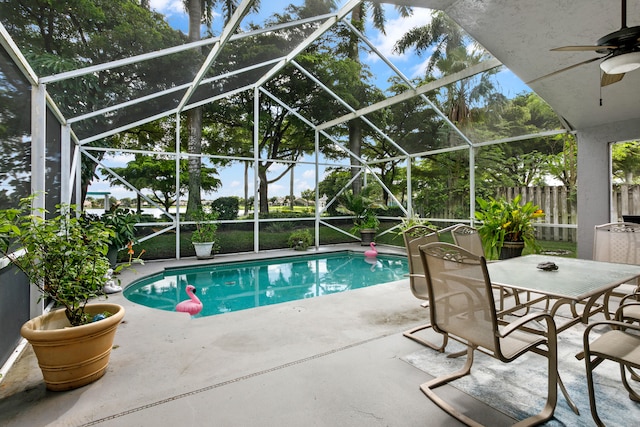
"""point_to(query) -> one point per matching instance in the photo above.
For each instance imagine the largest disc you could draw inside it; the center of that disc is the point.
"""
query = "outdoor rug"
(518, 389)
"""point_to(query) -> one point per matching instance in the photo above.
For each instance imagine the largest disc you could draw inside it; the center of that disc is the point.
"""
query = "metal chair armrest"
(635, 294)
(531, 317)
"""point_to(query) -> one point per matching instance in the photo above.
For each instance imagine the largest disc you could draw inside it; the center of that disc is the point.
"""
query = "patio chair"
(467, 237)
(462, 306)
(629, 311)
(617, 345)
(629, 308)
(617, 242)
(414, 237)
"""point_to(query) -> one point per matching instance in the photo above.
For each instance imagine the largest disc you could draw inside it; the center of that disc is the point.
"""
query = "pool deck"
(328, 361)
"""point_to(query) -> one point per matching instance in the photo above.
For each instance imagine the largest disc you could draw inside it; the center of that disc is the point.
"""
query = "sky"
(304, 176)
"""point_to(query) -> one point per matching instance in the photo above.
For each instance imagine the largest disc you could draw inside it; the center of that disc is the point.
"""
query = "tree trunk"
(246, 187)
(194, 120)
(355, 144)
(264, 185)
(291, 195)
(355, 126)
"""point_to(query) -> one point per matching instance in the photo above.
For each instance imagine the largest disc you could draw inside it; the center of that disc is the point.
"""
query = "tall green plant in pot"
(203, 237)
(507, 223)
(363, 207)
(122, 222)
(65, 258)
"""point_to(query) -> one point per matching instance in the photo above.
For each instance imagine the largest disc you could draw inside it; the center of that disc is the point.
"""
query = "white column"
(38, 169)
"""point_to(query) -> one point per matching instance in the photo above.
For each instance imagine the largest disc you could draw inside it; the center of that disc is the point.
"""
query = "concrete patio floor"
(328, 361)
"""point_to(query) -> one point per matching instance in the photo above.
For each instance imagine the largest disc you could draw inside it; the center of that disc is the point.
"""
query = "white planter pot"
(203, 250)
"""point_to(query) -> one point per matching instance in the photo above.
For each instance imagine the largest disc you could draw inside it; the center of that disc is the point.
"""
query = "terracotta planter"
(203, 250)
(511, 249)
(71, 357)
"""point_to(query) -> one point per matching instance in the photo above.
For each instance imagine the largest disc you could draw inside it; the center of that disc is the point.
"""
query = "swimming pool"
(242, 285)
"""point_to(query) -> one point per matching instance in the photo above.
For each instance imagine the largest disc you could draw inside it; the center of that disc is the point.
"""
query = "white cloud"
(300, 186)
(277, 190)
(168, 7)
(118, 160)
(309, 174)
(395, 29)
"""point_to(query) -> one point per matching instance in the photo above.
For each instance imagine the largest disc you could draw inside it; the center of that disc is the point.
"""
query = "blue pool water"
(243, 285)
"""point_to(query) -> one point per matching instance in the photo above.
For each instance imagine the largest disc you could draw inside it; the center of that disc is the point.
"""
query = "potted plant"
(65, 258)
(507, 226)
(363, 207)
(203, 237)
(300, 240)
(409, 222)
(122, 222)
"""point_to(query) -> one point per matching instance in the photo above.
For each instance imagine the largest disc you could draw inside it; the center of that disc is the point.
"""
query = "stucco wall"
(594, 177)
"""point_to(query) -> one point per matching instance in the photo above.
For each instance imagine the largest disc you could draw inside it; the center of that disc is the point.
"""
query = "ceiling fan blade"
(565, 69)
(608, 79)
(582, 48)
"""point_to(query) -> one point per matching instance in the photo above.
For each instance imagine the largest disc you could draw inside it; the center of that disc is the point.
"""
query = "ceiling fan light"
(621, 64)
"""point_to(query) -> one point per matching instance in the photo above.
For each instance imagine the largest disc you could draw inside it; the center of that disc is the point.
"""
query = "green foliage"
(159, 176)
(206, 227)
(504, 220)
(227, 207)
(300, 239)
(64, 256)
(279, 226)
(122, 222)
(625, 157)
(286, 214)
(363, 206)
(330, 186)
(407, 223)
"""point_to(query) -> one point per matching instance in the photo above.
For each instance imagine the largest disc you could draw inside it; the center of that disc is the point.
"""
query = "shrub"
(227, 207)
(300, 239)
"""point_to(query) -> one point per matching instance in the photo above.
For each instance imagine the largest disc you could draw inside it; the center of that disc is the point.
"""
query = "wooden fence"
(625, 201)
(559, 205)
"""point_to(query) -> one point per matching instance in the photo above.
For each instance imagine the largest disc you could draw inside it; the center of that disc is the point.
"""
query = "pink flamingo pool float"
(372, 253)
(193, 305)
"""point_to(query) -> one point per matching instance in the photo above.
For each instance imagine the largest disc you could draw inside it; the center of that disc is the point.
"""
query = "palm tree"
(358, 16)
(442, 33)
(201, 11)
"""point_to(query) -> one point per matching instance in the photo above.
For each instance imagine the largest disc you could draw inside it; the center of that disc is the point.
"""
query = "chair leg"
(427, 389)
(410, 334)
(634, 375)
(633, 395)
(590, 365)
(552, 389)
(544, 415)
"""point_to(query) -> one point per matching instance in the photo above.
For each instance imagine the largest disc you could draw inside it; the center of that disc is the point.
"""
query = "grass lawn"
(276, 236)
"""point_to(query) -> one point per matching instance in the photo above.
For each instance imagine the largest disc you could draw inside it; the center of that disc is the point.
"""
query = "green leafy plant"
(300, 239)
(363, 207)
(122, 222)
(407, 223)
(64, 256)
(506, 221)
(206, 227)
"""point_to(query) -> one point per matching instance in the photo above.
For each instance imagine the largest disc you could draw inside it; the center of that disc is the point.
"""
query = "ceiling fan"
(621, 51)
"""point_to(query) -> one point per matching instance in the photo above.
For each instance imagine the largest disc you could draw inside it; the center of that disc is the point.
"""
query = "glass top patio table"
(575, 279)
(575, 282)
